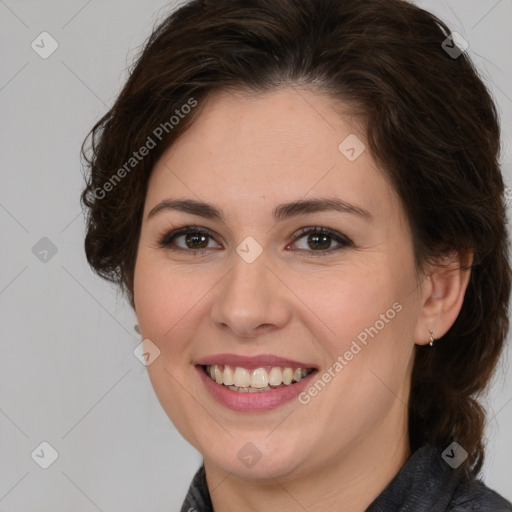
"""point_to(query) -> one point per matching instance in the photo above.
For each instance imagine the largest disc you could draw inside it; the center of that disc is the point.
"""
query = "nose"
(251, 300)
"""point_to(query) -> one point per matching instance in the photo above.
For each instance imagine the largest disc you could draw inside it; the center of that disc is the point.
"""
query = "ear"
(442, 296)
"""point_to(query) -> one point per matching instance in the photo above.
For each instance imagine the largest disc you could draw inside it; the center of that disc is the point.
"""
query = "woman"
(303, 202)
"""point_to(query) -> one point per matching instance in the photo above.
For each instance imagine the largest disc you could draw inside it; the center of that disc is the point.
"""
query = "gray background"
(68, 375)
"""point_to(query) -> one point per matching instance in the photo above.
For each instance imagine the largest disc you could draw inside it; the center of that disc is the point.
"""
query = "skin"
(246, 154)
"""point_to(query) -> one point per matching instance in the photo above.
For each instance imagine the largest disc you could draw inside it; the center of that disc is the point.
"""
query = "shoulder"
(475, 496)
(427, 483)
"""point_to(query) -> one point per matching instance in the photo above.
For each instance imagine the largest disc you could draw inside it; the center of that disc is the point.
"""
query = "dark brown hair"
(430, 123)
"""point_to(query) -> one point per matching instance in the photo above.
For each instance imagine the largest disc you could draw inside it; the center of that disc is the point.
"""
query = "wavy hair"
(430, 123)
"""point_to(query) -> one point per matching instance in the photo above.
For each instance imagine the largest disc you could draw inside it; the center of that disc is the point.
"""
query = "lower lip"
(256, 401)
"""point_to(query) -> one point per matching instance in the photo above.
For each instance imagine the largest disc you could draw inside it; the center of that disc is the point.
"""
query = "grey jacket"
(426, 483)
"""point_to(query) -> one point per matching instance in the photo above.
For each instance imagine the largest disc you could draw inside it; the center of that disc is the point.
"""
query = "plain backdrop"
(68, 376)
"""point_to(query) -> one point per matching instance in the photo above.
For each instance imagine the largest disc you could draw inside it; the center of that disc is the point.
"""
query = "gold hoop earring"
(432, 339)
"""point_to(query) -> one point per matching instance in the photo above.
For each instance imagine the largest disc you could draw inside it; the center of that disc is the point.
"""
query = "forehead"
(279, 146)
(296, 121)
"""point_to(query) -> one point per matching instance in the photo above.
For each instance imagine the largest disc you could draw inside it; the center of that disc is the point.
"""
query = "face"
(332, 291)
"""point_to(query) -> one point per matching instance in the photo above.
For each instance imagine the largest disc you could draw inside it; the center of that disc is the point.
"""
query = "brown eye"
(319, 240)
(194, 239)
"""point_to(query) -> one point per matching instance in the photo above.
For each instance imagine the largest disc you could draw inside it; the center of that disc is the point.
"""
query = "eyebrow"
(281, 212)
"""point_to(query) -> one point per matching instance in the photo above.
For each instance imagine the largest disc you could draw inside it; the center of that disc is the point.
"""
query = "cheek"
(353, 302)
(168, 301)
(367, 316)
(372, 352)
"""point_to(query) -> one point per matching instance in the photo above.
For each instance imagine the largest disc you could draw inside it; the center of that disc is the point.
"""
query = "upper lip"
(252, 362)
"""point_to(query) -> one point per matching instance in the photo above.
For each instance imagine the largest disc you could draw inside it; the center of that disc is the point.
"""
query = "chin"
(256, 457)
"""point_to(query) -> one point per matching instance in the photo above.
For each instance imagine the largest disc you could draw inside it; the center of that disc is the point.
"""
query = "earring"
(432, 339)
(136, 328)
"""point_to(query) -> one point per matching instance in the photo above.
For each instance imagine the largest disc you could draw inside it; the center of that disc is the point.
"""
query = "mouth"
(254, 384)
(255, 380)
(249, 384)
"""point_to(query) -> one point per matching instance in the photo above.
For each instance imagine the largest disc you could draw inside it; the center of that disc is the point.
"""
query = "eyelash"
(166, 240)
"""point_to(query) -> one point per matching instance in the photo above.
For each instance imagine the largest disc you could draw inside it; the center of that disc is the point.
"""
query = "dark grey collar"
(198, 497)
(426, 483)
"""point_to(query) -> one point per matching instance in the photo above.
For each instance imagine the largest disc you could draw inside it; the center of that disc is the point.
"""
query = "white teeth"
(242, 377)
(228, 376)
(218, 375)
(287, 376)
(258, 379)
(275, 377)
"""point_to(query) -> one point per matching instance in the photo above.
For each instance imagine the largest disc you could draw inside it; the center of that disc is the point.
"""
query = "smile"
(261, 379)
(250, 384)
